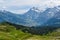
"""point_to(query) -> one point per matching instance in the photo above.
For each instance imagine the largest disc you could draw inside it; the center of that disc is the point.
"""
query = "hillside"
(9, 32)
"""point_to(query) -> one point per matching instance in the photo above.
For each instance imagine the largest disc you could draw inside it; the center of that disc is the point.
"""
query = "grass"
(9, 32)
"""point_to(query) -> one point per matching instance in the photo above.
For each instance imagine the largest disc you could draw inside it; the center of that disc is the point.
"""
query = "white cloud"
(18, 11)
(6, 4)
(31, 2)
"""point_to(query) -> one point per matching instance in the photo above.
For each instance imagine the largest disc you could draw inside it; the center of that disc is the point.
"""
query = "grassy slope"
(8, 32)
(51, 36)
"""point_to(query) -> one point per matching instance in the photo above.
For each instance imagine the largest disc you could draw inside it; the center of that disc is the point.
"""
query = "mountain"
(33, 17)
(54, 21)
(1, 20)
(36, 18)
(26, 19)
(10, 17)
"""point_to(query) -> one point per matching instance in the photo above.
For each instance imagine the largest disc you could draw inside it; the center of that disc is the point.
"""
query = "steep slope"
(1, 20)
(26, 19)
(33, 17)
(55, 20)
(36, 18)
(10, 17)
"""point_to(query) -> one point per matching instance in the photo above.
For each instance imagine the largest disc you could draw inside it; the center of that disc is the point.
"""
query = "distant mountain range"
(49, 17)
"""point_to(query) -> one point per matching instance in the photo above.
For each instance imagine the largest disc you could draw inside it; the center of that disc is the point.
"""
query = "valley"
(9, 32)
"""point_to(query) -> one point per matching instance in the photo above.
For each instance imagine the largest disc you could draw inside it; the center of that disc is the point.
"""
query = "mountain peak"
(58, 7)
(35, 9)
(3, 11)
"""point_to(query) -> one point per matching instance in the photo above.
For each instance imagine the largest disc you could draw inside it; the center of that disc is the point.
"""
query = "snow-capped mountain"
(33, 17)
(55, 20)
(10, 17)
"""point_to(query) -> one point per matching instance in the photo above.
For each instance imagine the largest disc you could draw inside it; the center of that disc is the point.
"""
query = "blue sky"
(22, 6)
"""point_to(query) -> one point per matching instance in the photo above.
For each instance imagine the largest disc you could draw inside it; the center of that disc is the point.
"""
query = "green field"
(9, 32)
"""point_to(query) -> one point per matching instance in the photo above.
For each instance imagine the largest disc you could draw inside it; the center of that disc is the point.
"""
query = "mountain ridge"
(32, 17)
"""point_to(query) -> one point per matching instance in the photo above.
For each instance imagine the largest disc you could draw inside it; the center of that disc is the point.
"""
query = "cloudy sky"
(21, 6)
